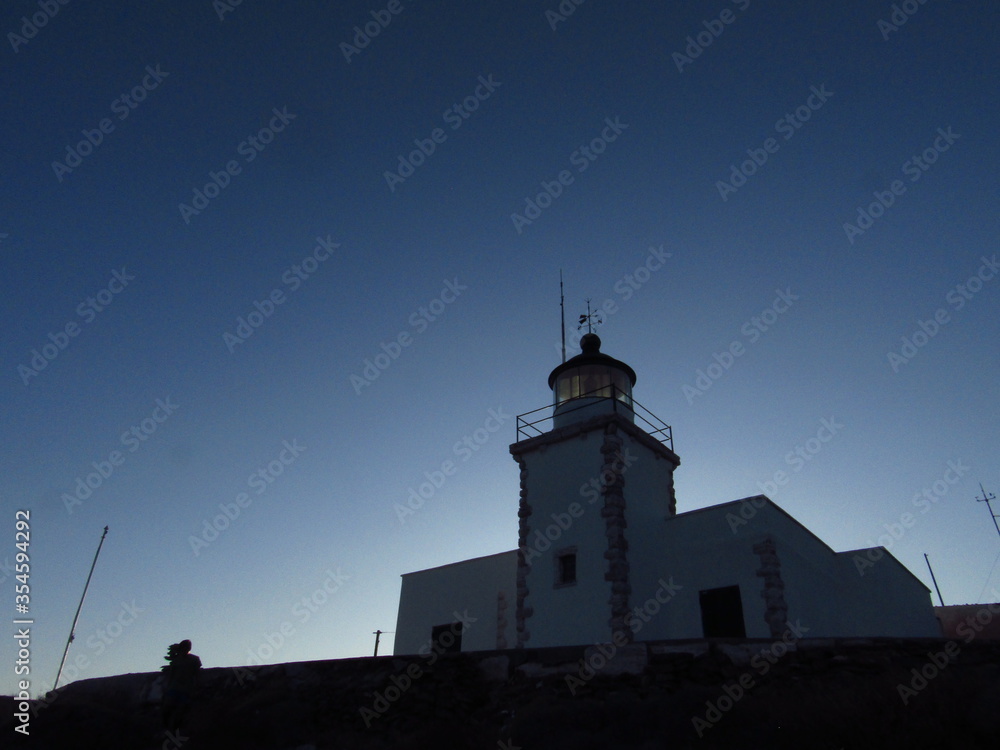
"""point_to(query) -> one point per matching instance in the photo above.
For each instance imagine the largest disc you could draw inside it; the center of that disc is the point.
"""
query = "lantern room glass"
(593, 381)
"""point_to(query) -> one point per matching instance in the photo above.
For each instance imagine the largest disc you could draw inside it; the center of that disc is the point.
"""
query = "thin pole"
(562, 315)
(986, 499)
(378, 635)
(927, 560)
(76, 617)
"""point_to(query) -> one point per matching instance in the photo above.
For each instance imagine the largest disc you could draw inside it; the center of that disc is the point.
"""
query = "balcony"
(607, 399)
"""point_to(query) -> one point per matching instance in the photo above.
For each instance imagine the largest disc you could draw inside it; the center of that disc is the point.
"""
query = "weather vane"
(591, 319)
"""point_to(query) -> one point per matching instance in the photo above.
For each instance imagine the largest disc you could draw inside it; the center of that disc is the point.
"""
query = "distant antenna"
(927, 560)
(986, 499)
(562, 315)
(591, 319)
(72, 629)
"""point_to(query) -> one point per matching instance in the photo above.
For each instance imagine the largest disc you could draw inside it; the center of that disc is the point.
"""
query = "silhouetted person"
(181, 683)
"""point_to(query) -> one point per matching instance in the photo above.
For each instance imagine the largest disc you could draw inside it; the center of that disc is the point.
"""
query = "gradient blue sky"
(656, 185)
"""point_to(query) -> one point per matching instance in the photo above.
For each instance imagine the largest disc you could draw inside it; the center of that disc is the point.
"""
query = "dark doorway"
(446, 639)
(722, 613)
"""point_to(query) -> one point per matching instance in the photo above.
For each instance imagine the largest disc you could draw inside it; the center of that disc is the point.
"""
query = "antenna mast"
(72, 629)
(986, 499)
(928, 561)
(562, 315)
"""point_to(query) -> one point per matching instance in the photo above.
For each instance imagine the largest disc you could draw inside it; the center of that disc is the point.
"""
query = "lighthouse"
(603, 556)
(592, 475)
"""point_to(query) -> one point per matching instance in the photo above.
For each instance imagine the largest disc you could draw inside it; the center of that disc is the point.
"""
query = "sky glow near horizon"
(254, 274)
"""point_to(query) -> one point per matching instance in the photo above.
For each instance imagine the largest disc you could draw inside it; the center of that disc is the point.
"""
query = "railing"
(528, 426)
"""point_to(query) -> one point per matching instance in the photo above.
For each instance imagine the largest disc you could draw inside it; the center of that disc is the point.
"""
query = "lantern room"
(591, 383)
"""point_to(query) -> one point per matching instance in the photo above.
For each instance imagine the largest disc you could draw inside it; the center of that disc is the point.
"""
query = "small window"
(566, 567)
(446, 639)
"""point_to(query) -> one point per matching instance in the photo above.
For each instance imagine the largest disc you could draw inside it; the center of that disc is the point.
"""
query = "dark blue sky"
(811, 113)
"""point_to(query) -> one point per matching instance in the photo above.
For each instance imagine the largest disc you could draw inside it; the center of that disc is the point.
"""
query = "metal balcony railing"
(531, 424)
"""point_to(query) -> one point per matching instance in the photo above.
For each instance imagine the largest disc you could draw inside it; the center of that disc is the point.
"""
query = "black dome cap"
(591, 354)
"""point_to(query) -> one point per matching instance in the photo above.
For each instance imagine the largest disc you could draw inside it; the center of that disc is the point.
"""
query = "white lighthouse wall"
(648, 483)
(559, 478)
(433, 597)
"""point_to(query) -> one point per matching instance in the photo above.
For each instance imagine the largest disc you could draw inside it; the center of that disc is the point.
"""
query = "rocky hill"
(811, 694)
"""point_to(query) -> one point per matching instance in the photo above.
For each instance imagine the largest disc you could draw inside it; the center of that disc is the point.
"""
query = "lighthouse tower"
(596, 477)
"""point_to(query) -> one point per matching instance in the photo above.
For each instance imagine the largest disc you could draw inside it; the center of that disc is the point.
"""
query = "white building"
(603, 555)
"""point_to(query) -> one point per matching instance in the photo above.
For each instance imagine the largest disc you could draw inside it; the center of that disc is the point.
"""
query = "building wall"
(897, 603)
(706, 549)
(632, 552)
(433, 597)
(970, 622)
(690, 553)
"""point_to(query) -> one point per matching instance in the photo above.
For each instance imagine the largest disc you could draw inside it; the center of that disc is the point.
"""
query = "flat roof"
(460, 562)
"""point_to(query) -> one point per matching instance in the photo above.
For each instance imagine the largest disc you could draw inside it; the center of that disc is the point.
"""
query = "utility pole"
(76, 617)
(986, 499)
(378, 634)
